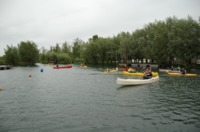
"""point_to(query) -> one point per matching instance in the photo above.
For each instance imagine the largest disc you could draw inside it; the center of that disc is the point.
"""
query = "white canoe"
(125, 82)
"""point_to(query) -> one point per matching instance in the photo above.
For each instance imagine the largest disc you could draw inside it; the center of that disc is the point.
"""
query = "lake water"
(86, 100)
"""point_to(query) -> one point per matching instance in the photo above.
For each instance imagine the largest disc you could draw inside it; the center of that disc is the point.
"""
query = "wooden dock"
(5, 67)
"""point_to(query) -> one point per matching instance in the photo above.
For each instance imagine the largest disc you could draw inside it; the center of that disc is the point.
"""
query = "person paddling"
(148, 74)
(172, 68)
(183, 71)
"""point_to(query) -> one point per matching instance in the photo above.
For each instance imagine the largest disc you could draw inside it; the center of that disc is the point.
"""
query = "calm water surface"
(86, 100)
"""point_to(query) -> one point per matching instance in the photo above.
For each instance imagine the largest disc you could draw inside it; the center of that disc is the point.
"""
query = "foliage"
(170, 42)
(66, 48)
(43, 56)
(11, 55)
(58, 58)
(63, 58)
(173, 41)
(25, 54)
(76, 49)
(28, 53)
(2, 60)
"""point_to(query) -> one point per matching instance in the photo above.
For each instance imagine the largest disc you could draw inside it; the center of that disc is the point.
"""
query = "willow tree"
(137, 46)
(90, 53)
(124, 46)
(158, 37)
(66, 48)
(186, 43)
(76, 49)
(43, 57)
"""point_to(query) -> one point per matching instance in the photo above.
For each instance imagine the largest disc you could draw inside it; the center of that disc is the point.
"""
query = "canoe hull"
(123, 69)
(110, 71)
(62, 67)
(126, 82)
(168, 70)
(164, 70)
(179, 74)
(154, 74)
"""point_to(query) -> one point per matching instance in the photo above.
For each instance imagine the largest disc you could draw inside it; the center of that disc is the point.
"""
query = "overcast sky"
(47, 22)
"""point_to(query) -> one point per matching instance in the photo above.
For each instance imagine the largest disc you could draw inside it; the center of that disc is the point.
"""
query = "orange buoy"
(1, 89)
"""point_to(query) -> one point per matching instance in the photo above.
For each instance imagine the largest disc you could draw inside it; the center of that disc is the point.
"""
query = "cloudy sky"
(47, 22)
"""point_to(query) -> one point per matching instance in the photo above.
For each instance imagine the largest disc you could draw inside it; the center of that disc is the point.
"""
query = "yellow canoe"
(139, 74)
(179, 74)
(110, 71)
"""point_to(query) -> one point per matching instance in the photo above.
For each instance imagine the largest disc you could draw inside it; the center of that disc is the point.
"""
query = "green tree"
(56, 48)
(124, 46)
(51, 57)
(76, 50)
(63, 58)
(28, 53)
(159, 42)
(138, 49)
(11, 55)
(66, 48)
(43, 58)
(2, 60)
(90, 53)
(186, 42)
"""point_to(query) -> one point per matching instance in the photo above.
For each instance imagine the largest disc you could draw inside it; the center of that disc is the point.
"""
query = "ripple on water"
(86, 100)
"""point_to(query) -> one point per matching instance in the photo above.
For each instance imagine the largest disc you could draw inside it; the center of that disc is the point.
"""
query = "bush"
(64, 58)
(78, 59)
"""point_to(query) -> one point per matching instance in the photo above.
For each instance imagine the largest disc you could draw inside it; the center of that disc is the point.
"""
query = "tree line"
(169, 42)
(26, 53)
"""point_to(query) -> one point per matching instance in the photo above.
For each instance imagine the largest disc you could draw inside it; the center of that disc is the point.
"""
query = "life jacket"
(149, 74)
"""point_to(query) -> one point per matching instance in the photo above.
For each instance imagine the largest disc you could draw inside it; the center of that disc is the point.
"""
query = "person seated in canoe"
(172, 68)
(107, 70)
(183, 71)
(148, 66)
(143, 70)
(147, 74)
(131, 70)
(179, 68)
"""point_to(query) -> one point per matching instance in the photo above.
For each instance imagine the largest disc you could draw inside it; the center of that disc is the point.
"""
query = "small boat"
(123, 69)
(125, 82)
(154, 74)
(174, 71)
(84, 66)
(164, 70)
(110, 71)
(179, 74)
(61, 67)
(169, 70)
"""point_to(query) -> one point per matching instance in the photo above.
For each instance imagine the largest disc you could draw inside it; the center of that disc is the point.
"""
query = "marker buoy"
(29, 75)
(1, 89)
